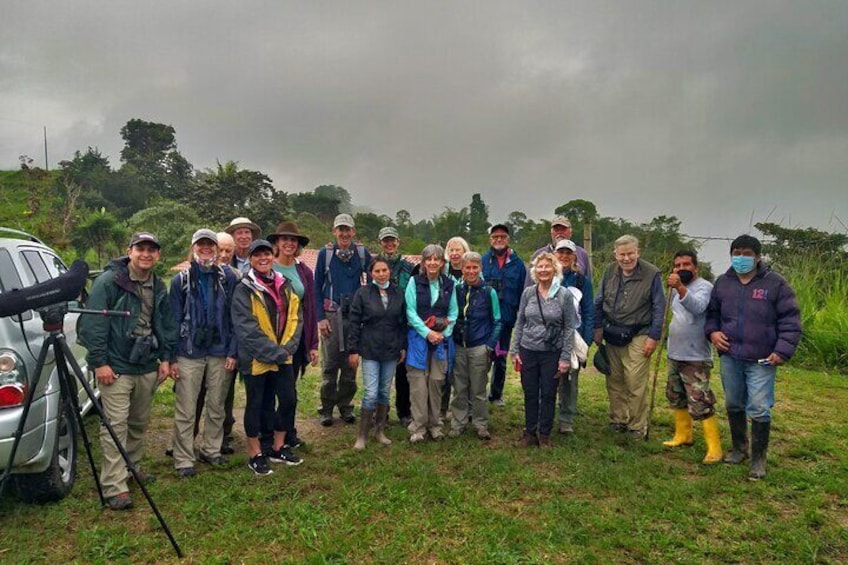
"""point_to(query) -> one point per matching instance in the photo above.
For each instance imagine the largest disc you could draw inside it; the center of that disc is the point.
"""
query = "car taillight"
(12, 395)
(13, 381)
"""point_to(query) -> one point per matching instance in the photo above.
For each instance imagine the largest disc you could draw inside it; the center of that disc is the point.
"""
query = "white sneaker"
(416, 438)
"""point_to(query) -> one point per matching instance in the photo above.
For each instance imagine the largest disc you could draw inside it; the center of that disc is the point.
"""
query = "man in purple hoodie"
(754, 322)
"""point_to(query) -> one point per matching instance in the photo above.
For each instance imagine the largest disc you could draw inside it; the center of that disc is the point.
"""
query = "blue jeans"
(377, 380)
(748, 387)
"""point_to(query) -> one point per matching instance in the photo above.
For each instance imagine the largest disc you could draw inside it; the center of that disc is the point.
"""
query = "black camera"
(141, 349)
(205, 337)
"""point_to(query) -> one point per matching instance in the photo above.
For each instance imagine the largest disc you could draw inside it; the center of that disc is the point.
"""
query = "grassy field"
(595, 498)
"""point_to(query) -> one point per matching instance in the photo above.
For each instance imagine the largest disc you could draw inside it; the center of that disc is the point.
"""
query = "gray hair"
(545, 256)
(472, 256)
(434, 249)
(461, 241)
(626, 240)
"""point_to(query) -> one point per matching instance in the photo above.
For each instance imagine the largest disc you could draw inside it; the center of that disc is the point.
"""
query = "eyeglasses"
(498, 236)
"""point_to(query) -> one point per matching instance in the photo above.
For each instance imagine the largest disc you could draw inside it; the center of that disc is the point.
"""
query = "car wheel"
(55, 482)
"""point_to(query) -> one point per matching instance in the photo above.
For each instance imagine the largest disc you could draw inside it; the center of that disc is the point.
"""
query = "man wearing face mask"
(754, 322)
(690, 357)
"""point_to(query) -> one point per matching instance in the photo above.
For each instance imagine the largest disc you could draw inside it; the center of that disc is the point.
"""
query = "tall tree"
(478, 215)
(228, 191)
(323, 207)
(150, 153)
(337, 193)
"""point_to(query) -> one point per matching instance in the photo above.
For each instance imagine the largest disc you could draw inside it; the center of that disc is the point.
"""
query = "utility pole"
(46, 166)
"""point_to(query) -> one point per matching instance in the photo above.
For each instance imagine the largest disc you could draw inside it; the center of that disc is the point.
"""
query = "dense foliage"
(88, 208)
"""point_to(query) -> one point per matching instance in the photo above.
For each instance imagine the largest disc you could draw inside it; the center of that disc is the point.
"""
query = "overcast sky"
(716, 112)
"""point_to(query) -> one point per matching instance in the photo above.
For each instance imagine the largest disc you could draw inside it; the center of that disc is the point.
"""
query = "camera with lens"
(142, 347)
(205, 337)
(460, 331)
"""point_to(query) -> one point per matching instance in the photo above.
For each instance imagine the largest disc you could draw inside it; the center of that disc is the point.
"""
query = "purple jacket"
(758, 318)
(310, 324)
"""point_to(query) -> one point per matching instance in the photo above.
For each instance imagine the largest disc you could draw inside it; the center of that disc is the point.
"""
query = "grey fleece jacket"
(530, 331)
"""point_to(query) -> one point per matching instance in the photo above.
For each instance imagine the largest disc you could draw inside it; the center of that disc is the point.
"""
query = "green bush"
(821, 285)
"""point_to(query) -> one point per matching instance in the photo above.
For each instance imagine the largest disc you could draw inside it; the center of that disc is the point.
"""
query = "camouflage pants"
(689, 387)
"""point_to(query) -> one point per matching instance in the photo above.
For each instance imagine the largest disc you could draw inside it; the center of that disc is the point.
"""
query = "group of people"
(246, 308)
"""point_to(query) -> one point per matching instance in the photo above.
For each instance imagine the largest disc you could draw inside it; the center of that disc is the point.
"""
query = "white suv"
(45, 462)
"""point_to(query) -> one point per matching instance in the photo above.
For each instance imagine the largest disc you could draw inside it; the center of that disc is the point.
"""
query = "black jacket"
(377, 333)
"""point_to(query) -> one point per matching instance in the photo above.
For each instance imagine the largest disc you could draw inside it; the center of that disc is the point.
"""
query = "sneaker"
(498, 402)
(437, 434)
(349, 418)
(636, 434)
(284, 455)
(296, 442)
(120, 501)
(483, 433)
(528, 440)
(259, 465)
(455, 432)
(326, 421)
(566, 429)
(416, 438)
(186, 472)
(617, 428)
(216, 461)
(227, 450)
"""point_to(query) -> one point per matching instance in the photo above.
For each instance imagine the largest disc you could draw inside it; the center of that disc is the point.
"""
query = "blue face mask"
(383, 286)
(742, 265)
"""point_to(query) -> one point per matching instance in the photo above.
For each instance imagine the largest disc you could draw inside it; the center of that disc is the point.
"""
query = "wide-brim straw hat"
(243, 223)
(290, 229)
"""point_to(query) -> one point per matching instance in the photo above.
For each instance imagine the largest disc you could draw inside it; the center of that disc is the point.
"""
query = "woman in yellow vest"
(266, 317)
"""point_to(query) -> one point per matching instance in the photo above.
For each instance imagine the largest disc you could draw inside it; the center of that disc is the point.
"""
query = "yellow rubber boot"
(682, 429)
(713, 439)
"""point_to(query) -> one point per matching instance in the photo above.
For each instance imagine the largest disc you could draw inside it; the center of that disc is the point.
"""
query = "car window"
(54, 264)
(9, 277)
(34, 267)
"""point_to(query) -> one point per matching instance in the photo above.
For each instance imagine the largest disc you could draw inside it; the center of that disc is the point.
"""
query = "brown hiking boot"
(545, 442)
(528, 440)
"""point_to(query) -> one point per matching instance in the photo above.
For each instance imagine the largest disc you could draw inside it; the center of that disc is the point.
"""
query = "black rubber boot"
(739, 436)
(759, 446)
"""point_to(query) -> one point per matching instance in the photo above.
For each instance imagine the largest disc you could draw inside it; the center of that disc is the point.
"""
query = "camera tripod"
(52, 322)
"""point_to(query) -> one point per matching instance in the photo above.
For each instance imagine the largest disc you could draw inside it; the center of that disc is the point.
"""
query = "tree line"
(88, 207)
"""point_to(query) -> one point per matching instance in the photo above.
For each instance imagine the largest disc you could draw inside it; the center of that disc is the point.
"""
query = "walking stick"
(659, 358)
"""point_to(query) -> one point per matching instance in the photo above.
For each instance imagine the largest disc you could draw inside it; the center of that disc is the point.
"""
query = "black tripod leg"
(68, 355)
(70, 396)
(19, 432)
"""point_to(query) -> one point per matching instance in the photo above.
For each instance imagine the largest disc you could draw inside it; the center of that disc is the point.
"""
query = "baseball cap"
(501, 227)
(258, 244)
(388, 232)
(343, 220)
(142, 237)
(204, 234)
(561, 221)
(566, 244)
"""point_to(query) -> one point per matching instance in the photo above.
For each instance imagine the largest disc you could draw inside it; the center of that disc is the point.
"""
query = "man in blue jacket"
(339, 271)
(504, 271)
(754, 322)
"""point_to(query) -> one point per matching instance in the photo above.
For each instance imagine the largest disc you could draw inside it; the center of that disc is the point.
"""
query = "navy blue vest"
(422, 297)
